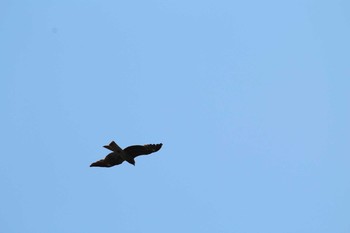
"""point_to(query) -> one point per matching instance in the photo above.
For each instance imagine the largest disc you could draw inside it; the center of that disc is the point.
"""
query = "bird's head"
(131, 161)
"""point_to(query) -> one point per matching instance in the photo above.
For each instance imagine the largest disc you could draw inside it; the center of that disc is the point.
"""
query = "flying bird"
(118, 155)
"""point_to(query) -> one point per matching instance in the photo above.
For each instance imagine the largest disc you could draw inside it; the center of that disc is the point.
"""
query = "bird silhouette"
(118, 155)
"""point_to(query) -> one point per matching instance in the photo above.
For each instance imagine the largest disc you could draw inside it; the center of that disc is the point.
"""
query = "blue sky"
(249, 98)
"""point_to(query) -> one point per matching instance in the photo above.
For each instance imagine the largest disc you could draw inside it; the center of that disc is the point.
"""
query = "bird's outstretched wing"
(110, 160)
(100, 163)
(137, 150)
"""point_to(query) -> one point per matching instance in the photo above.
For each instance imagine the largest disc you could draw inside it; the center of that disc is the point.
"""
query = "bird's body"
(119, 155)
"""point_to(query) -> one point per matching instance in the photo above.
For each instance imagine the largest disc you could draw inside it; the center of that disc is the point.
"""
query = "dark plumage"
(128, 154)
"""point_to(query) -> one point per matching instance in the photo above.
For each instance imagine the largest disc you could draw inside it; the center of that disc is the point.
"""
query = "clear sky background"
(249, 98)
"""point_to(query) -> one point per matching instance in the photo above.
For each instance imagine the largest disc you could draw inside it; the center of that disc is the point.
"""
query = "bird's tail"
(113, 147)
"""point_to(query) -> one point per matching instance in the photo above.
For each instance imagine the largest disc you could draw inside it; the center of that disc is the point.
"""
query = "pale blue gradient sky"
(250, 98)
